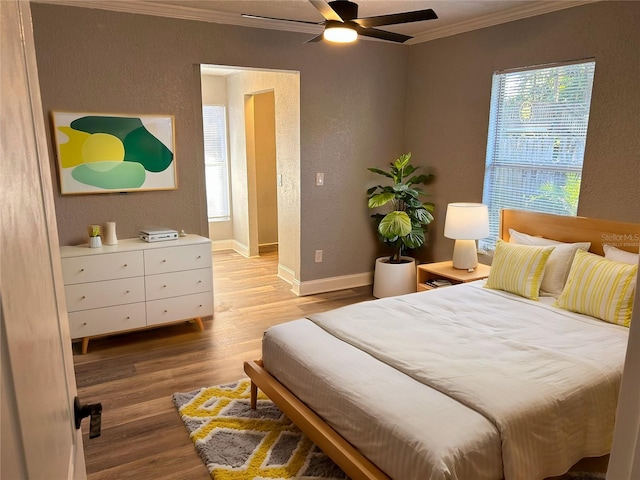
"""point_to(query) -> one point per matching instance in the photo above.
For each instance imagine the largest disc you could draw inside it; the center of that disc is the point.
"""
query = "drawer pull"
(164, 261)
(164, 286)
(166, 311)
(82, 269)
(128, 318)
(125, 265)
(84, 324)
(83, 297)
(199, 257)
(199, 281)
(199, 306)
(128, 291)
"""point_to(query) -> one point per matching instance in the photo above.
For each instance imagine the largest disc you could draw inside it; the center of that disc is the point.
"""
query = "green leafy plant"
(405, 225)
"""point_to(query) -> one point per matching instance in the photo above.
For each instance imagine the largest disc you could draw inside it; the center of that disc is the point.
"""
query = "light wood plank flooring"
(134, 375)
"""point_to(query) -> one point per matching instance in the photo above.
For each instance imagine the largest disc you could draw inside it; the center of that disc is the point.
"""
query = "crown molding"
(160, 9)
(204, 15)
(505, 16)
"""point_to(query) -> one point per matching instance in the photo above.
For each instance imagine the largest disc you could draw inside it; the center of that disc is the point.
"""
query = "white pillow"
(615, 254)
(559, 263)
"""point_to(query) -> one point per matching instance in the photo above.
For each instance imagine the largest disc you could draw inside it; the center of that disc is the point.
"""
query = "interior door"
(39, 439)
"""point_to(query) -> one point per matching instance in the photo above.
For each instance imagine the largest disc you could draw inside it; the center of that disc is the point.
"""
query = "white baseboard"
(289, 276)
(219, 245)
(342, 282)
(240, 248)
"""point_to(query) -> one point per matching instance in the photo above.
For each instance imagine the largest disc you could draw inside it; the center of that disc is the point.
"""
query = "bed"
(467, 382)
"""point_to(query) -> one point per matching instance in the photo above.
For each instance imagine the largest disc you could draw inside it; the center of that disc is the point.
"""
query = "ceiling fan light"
(340, 34)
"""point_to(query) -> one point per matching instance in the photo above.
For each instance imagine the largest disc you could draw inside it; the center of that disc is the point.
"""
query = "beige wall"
(266, 172)
(351, 108)
(450, 91)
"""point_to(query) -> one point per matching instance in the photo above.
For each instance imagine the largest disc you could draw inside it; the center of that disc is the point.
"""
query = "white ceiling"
(455, 16)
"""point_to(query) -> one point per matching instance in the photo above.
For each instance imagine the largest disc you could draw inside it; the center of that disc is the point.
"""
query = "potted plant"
(403, 228)
(94, 236)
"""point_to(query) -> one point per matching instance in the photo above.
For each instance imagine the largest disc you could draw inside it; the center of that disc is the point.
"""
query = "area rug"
(238, 443)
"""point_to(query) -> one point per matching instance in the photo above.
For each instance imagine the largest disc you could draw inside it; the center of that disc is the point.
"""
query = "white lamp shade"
(466, 221)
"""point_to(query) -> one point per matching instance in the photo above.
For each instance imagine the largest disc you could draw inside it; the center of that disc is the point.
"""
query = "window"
(215, 162)
(537, 134)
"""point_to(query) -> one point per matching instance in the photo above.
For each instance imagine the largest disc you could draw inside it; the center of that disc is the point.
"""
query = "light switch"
(319, 179)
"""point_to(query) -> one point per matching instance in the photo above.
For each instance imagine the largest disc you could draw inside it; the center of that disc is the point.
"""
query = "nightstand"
(445, 271)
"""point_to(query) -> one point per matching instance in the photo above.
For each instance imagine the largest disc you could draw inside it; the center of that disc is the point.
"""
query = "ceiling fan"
(342, 25)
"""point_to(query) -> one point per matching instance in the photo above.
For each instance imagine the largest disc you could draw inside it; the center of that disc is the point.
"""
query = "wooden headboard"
(622, 235)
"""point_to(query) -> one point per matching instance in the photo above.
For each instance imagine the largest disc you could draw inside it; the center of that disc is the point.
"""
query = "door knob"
(94, 410)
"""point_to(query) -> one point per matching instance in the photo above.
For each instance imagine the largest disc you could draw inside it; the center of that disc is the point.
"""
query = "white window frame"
(536, 140)
(216, 162)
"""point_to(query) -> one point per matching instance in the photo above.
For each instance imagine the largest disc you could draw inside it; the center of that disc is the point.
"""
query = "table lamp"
(466, 223)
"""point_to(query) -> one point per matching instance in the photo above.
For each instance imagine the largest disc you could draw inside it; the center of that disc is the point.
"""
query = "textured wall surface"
(352, 106)
(360, 105)
(450, 91)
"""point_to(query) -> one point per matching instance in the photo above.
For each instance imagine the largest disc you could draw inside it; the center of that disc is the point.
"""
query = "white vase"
(95, 242)
(110, 233)
(391, 279)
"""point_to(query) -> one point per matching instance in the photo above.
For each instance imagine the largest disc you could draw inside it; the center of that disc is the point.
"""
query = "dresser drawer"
(179, 308)
(176, 284)
(96, 268)
(106, 320)
(103, 294)
(175, 259)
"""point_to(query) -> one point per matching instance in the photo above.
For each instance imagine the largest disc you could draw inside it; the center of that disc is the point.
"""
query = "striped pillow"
(599, 287)
(518, 268)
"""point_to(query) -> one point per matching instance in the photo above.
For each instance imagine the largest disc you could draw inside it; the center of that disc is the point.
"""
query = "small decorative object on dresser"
(94, 236)
(136, 284)
(110, 237)
(435, 275)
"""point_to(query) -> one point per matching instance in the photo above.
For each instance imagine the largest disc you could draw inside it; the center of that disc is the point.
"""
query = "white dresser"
(136, 284)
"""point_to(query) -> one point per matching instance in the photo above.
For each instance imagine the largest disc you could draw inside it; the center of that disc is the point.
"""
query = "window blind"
(535, 146)
(215, 161)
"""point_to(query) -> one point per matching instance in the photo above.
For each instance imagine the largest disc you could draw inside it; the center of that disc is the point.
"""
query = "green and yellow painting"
(100, 153)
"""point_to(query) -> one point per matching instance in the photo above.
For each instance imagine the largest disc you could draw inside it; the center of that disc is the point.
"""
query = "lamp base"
(465, 256)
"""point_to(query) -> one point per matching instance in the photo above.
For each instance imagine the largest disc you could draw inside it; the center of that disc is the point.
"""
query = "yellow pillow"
(599, 287)
(518, 268)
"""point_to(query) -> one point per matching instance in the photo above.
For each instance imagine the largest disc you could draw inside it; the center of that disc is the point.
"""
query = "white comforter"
(547, 379)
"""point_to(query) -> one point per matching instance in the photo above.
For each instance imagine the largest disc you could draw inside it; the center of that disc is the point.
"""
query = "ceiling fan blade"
(325, 10)
(317, 38)
(383, 35)
(396, 18)
(260, 17)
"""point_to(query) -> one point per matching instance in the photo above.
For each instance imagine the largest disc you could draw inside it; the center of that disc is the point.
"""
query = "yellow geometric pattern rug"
(238, 443)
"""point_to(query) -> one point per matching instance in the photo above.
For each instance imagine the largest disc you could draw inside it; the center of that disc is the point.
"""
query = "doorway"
(263, 118)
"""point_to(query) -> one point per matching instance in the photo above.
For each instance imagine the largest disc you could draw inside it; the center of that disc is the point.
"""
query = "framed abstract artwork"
(107, 153)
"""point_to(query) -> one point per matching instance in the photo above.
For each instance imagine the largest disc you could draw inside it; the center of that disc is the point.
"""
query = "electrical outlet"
(319, 179)
(318, 256)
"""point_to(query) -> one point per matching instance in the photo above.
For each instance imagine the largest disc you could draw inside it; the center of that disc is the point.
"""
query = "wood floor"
(134, 375)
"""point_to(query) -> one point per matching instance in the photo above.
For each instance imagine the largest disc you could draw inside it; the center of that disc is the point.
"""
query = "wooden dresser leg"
(198, 321)
(254, 395)
(85, 345)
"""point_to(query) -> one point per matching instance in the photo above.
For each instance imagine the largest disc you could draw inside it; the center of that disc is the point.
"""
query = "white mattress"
(411, 430)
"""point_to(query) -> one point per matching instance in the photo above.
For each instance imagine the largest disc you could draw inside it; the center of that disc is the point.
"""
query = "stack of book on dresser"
(437, 283)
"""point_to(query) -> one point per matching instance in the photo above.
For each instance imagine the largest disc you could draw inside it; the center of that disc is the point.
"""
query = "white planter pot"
(391, 279)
